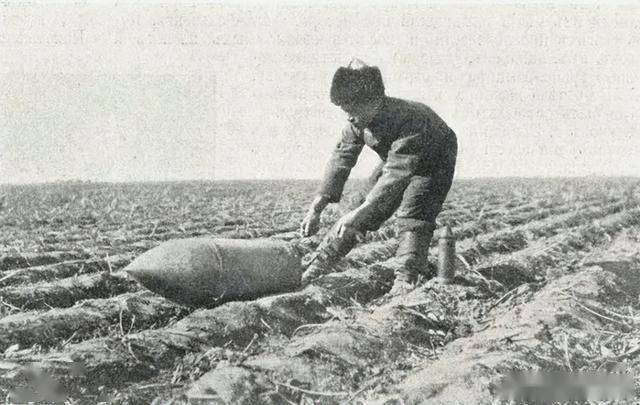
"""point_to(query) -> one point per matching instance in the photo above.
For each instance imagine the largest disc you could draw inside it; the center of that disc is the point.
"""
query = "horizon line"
(187, 180)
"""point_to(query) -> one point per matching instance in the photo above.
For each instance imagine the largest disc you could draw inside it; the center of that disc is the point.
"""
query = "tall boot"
(328, 255)
(411, 258)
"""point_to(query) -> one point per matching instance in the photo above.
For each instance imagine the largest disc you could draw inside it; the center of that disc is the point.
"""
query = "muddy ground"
(547, 279)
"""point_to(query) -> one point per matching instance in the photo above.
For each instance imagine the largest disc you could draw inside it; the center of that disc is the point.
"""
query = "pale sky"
(162, 92)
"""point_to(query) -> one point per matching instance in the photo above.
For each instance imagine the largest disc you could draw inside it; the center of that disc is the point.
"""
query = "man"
(418, 151)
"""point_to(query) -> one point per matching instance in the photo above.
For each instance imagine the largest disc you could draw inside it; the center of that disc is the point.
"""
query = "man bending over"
(418, 152)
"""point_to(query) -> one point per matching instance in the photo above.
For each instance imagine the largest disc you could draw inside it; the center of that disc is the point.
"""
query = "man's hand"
(310, 224)
(351, 222)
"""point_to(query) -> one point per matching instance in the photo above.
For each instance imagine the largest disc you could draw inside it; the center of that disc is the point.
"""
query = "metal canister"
(446, 257)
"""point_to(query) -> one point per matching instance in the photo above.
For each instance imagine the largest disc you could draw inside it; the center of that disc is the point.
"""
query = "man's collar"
(379, 118)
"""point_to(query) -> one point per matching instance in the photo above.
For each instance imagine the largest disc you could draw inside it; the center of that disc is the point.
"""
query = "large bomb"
(207, 272)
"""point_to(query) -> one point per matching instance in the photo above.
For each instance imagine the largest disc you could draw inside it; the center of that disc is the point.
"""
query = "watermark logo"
(562, 386)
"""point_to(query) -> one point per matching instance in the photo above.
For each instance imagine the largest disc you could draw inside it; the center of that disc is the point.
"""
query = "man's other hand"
(310, 224)
(351, 222)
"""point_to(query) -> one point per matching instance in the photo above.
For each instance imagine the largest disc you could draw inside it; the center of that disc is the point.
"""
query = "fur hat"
(356, 83)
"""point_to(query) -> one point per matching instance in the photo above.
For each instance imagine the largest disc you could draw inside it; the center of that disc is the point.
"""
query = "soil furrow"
(531, 263)
(64, 269)
(126, 313)
(65, 292)
(516, 238)
(500, 241)
(16, 261)
(549, 330)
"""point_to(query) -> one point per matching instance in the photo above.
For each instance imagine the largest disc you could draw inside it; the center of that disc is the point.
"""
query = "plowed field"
(548, 278)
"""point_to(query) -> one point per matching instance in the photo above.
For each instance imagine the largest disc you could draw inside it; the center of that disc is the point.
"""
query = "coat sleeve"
(405, 158)
(344, 157)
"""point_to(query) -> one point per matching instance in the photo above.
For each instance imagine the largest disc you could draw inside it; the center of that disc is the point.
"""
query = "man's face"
(360, 115)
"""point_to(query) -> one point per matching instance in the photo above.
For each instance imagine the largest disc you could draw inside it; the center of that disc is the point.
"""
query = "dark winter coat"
(419, 152)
